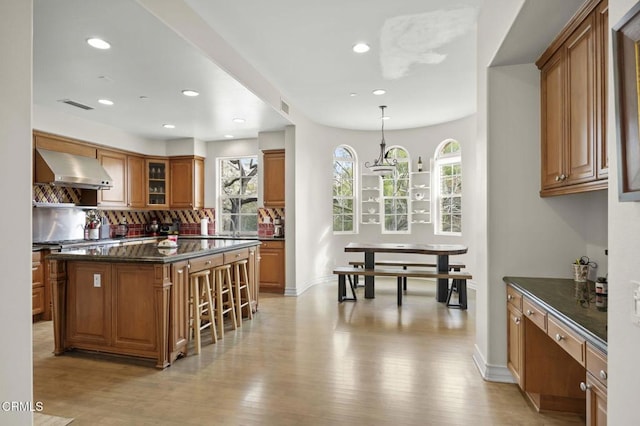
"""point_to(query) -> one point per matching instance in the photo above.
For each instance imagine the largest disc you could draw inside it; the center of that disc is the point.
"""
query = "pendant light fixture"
(382, 165)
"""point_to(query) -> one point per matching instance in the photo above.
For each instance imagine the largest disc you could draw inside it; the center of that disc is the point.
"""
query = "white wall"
(528, 235)
(624, 252)
(16, 378)
(51, 121)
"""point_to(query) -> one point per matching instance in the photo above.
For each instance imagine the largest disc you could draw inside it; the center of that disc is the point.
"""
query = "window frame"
(354, 186)
(221, 197)
(406, 198)
(445, 159)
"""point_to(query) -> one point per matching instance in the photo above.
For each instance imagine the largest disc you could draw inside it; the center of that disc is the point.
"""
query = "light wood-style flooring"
(303, 360)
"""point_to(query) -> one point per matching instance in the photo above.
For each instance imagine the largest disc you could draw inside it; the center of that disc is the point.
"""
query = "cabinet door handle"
(180, 271)
(563, 177)
(208, 262)
(516, 320)
(509, 297)
(530, 312)
(603, 375)
(584, 386)
(559, 337)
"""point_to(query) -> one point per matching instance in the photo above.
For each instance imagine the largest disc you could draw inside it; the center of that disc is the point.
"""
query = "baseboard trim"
(491, 373)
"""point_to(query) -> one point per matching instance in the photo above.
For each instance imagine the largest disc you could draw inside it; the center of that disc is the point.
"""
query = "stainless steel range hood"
(74, 171)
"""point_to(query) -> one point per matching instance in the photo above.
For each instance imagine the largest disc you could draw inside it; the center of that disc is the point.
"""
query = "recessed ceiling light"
(169, 126)
(238, 120)
(105, 101)
(353, 94)
(361, 48)
(379, 92)
(191, 93)
(98, 43)
(228, 136)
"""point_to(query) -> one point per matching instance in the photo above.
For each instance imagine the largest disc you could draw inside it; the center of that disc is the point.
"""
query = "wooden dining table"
(442, 251)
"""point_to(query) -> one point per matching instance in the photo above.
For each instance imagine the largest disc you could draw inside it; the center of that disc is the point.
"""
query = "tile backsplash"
(137, 221)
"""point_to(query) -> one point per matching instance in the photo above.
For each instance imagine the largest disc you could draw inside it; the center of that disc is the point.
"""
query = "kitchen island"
(134, 299)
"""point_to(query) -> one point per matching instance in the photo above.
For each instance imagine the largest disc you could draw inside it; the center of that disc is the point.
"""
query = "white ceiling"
(422, 53)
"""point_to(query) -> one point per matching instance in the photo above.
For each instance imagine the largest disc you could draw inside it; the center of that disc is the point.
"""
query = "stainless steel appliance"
(278, 228)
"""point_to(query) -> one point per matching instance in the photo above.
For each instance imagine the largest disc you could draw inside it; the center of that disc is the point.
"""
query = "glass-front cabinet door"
(158, 183)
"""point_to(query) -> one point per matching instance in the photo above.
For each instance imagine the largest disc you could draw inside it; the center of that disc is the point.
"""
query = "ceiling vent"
(284, 106)
(75, 104)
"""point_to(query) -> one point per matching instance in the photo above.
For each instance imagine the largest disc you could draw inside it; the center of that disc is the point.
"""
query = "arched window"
(448, 188)
(395, 193)
(344, 190)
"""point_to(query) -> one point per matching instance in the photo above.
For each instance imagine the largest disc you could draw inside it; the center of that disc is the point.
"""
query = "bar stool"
(201, 307)
(240, 286)
(223, 295)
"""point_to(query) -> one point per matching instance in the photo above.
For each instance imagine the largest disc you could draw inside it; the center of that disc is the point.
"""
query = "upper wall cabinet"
(137, 182)
(187, 183)
(573, 105)
(115, 163)
(273, 164)
(157, 183)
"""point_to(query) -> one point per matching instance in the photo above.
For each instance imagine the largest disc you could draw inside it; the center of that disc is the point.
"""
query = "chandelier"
(382, 165)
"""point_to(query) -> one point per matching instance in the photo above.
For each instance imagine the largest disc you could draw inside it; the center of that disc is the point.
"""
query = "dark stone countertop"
(229, 237)
(557, 296)
(150, 252)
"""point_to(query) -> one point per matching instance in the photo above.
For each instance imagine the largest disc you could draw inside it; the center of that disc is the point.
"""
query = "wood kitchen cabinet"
(39, 303)
(575, 371)
(157, 188)
(179, 316)
(115, 164)
(515, 336)
(573, 105)
(274, 173)
(136, 182)
(272, 266)
(254, 276)
(595, 387)
(118, 307)
(187, 182)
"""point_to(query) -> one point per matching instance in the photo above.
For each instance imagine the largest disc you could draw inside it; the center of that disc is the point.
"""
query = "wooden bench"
(346, 272)
(453, 266)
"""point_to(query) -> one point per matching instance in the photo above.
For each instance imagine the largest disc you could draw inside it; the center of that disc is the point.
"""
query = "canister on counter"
(602, 291)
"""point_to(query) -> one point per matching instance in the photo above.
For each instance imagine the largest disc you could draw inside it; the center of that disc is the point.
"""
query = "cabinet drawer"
(567, 339)
(534, 313)
(37, 300)
(207, 262)
(234, 256)
(272, 244)
(514, 298)
(597, 364)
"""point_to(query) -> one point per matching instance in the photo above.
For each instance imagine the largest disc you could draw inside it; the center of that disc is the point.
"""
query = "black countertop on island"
(150, 252)
(557, 296)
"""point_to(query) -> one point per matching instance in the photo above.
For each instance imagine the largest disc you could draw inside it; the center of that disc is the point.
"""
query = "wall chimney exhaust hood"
(73, 171)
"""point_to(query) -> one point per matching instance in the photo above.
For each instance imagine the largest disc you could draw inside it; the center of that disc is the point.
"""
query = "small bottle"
(419, 164)
(86, 231)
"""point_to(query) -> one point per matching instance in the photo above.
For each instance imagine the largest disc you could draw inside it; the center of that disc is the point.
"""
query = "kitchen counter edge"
(579, 324)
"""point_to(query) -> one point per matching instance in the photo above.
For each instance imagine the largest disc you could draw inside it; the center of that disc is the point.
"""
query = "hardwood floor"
(303, 360)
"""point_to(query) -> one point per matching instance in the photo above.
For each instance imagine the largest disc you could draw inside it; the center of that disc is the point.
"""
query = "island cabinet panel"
(254, 276)
(89, 305)
(179, 316)
(596, 402)
(133, 317)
